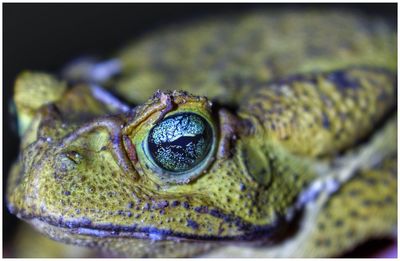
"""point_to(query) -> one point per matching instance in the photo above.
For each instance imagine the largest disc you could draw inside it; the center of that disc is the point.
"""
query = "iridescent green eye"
(180, 142)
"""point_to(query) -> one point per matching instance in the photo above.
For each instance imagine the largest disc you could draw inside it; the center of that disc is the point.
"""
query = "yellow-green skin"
(293, 99)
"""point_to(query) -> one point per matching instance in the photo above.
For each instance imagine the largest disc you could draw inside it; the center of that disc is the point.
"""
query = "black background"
(46, 36)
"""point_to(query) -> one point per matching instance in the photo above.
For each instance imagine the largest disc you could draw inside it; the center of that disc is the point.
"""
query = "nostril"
(74, 156)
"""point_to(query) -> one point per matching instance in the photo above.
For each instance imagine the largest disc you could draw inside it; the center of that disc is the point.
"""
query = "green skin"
(312, 94)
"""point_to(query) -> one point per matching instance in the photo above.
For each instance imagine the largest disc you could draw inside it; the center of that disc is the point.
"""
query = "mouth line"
(84, 226)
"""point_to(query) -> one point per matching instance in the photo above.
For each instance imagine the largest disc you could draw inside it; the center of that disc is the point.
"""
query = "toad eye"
(180, 142)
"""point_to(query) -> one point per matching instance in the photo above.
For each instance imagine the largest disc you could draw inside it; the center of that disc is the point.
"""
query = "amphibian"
(272, 131)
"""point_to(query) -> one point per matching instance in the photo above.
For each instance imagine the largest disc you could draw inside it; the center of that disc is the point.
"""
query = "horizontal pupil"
(183, 140)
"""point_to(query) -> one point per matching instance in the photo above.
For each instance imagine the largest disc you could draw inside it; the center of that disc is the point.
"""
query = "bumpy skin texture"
(305, 92)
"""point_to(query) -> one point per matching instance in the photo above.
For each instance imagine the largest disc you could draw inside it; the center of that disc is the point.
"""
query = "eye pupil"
(180, 142)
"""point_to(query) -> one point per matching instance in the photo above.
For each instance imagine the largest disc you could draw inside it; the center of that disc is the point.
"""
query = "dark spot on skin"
(201, 209)
(325, 99)
(325, 121)
(59, 175)
(339, 223)
(248, 126)
(137, 216)
(388, 199)
(343, 116)
(354, 192)
(82, 222)
(120, 212)
(321, 226)
(146, 206)
(220, 230)
(298, 78)
(191, 223)
(130, 205)
(350, 233)
(162, 204)
(327, 213)
(216, 213)
(385, 183)
(175, 203)
(242, 187)
(342, 81)
(382, 96)
(129, 214)
(162, 212)
(370, 181)
(354, 213)
(186, 205)
(67, 193)
(367, 202)
(326, 242)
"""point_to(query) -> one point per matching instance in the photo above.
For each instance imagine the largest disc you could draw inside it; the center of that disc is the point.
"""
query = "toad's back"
(225, 57)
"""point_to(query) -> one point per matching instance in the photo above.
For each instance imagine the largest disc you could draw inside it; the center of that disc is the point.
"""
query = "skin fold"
(297, 112)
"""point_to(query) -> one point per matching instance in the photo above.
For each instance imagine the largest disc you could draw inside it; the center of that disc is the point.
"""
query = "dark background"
(46, 36)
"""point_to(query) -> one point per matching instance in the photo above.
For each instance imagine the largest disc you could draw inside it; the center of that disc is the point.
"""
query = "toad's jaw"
(68, 231)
